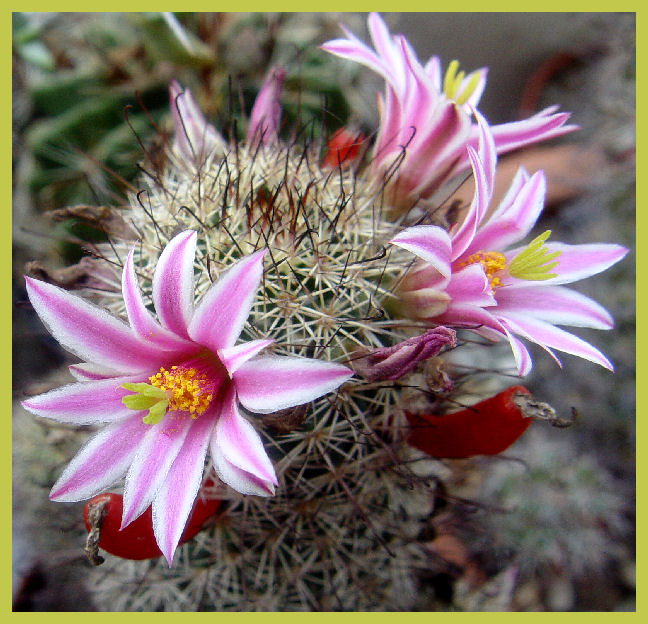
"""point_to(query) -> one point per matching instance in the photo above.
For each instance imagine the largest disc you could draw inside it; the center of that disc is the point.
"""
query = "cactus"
(341, 531)
(349, 524)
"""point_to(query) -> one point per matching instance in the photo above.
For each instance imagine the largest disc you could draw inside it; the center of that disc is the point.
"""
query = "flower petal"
(470, 316)
(487, 154)
(354, 49)
(224, 308)
(430, 243)
(90, 332)
(83, 403)
(141, 320)
(173, 283)
(156, 453)
(270, 383)
(543, 126)
(238, 479)
(463, 236)
(84, 371)
(104, 459)
(470, 286)
(174, 500)
(577, 262)
(555, 304)
(236, 441)
(520, 353)
(507, 227)
(233, 357)
(550, 337)
(540, 127)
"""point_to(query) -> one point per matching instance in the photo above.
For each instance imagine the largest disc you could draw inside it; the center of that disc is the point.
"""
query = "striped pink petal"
(519, 180)
(388, 51)
(435, 149)
(470, 286)
(465, 315)
(238, 479)
(174, 500)
(90, 372)
(357, 51)
(233, 357)
(83, 403)
(540, 127)
(428, 242)
(520, 353)
(269, 383)
(156, 452)
(141, 320)
(550, 337)
(173, 283)
(577, 262)
(235, 443)
(90, 332)
(487, 154)
(554, 304)
(223, 310)
(462, 237)
(102, 461)
(514, 135)
(509, 226)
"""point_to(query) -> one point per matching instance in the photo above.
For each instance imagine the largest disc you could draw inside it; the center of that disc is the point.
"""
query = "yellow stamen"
(181, 389)
(184, 389)
(452, 83)
(492, 262)
(448, 80)
(534, 261)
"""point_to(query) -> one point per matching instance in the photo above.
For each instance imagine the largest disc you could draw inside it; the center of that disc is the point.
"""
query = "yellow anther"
(184, 388)
(492, 262)
(469, 89)
(534, 261)
(452, 83)
(449, 79)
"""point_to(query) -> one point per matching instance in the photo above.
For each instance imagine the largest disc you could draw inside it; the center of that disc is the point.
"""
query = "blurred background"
(550, 524)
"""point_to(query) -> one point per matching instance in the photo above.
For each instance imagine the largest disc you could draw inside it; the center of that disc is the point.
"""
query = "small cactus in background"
(548, 523)
(342, 527)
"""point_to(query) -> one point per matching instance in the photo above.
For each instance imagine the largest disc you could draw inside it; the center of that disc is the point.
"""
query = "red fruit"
(342, 147)
(136, 541)
(487, 428)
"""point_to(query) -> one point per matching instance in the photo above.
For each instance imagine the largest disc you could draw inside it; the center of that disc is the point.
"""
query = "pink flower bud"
(393, 362)
(264, 118)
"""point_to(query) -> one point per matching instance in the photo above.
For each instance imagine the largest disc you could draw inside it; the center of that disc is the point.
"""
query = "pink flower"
(425, 120)
(266, 112)
(168, 389)
(474, 276)
(195, 138)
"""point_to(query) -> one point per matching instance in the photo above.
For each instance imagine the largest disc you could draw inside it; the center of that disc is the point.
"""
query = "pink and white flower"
(426, 118)
(169, 389)
(476, 276)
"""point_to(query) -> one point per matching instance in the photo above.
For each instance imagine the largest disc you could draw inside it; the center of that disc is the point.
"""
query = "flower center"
(492, 262)
(452, 84)
(533, 263)
(185, 387)
(181, 389)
